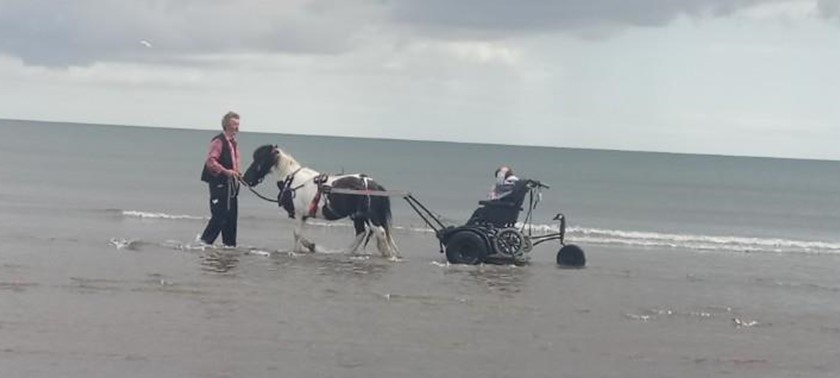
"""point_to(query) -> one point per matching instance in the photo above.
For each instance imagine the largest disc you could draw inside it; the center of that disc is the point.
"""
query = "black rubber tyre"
(466, 247)
(572, 256)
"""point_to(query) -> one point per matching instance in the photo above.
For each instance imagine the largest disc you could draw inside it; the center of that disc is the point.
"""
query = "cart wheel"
(466, 247)
(571, 255)
(509, 242)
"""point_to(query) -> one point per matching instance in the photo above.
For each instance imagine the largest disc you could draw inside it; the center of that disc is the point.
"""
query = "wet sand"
(79, 306)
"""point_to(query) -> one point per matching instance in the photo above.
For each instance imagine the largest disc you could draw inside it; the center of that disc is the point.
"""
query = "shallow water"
(165, 307)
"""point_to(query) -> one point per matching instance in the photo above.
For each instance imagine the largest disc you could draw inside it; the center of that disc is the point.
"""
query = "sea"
(698, 265)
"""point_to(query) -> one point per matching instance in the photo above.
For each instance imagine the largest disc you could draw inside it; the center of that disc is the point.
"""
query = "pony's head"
(266, 158)
(269, 159)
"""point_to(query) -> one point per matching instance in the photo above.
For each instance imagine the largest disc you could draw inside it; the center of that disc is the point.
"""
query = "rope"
(232, 190)
(260, 195)
(289, 178)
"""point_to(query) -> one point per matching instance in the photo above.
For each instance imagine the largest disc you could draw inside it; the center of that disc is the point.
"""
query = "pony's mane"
(288, 156)
(287, 160)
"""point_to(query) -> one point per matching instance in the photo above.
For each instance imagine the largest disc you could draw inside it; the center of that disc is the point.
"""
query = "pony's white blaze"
(306, 189)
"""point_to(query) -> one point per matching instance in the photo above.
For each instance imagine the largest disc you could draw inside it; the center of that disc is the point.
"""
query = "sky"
(730, 77)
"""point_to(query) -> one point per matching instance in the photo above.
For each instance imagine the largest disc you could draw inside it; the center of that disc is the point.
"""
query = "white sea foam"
(150, 215)
(584, 235)
(260, 252)
(122, 243)
(699, 242)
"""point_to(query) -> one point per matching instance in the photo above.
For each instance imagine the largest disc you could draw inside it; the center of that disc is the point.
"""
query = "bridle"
(260, 180)
(286, 183)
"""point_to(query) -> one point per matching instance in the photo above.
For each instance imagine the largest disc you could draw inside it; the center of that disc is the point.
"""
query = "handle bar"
(538, 184)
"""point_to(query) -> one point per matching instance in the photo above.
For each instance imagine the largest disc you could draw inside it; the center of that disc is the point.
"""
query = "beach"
(101, 275)
(94, 310)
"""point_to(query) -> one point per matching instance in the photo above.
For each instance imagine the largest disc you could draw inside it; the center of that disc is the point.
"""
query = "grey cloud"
(79, 32)
(830, 9)
(494, 17)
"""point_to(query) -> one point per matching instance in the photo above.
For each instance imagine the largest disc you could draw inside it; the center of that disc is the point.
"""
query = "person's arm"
(494, 194)
(500, 177)
(213, 155)
(238, 163)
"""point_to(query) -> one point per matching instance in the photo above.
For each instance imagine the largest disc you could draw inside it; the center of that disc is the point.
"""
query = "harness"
(287, 193)
(368, 199)
(319, 181)
(360, 212)
(285, 198)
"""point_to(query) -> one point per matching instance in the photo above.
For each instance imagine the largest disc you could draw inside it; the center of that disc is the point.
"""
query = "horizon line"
(436, 141)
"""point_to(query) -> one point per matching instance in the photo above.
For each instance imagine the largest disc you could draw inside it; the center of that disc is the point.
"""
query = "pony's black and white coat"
(370, 214)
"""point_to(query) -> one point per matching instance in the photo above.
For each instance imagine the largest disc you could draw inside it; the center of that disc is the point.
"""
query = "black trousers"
(224, 209)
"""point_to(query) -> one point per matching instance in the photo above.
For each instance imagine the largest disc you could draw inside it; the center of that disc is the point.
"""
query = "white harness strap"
(366, 180)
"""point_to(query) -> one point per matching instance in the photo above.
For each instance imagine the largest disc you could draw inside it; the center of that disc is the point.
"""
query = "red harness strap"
(313, 206)
(319, 181)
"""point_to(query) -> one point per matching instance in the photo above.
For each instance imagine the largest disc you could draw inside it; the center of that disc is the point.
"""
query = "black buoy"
(571, 256)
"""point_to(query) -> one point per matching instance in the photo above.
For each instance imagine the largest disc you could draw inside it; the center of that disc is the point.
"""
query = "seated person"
(500, 195)
(505, 180)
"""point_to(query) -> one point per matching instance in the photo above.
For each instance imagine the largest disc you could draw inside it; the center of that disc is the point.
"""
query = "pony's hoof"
(310, 246)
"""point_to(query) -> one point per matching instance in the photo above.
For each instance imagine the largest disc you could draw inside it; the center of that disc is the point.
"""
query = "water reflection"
(355, 267)
(503, 279)
(334, 265)
(220, 261)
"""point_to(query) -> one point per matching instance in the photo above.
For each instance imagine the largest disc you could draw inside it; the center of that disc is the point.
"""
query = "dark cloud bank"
(79, 32)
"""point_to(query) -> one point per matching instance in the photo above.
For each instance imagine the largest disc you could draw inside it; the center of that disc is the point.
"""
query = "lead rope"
(289, 179)
(232, 190)
(260, 195)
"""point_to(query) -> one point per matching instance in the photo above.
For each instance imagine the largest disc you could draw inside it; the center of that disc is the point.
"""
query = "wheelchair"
(493, 233)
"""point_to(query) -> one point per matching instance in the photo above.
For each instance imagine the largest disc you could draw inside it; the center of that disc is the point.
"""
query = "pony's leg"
(382, 243)
(296, 247)
(390, 239)
(361, 230)
(302, 244)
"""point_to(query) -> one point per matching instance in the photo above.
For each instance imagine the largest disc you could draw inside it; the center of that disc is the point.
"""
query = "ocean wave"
(122, 243)
(150, 215)
(699, 242)
(732, 243)
(585, 235)
(136, 244)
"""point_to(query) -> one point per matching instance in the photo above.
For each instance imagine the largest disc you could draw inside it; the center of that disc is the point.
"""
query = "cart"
(493, 235)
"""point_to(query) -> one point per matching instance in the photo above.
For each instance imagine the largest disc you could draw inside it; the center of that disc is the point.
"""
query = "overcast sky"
(734, 77)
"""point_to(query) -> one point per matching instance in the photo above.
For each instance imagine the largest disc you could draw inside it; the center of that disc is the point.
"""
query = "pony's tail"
(381, 207)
